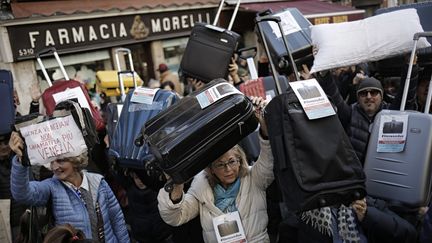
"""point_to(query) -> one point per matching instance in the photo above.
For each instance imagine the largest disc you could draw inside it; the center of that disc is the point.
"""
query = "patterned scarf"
(322, 220)
(225, 198)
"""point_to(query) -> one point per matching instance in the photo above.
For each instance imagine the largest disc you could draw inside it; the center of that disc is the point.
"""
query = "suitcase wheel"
(139, 141)
(322, 202)
(169, 186)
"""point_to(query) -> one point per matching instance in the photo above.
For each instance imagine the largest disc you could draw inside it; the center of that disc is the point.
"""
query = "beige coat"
(251, 201)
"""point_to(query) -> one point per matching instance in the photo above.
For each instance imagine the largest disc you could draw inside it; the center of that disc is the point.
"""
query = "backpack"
(83, 119)
(314, 162)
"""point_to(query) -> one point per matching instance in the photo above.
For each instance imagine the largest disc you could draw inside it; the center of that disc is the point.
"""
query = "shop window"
(173, 51)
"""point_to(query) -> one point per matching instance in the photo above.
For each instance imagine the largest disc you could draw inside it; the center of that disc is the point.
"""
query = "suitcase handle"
(408, 77)
(42, 66)
(232, 17)
(120, 72)
(278, 20)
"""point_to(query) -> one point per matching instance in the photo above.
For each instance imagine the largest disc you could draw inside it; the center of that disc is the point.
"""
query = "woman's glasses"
(231, 164)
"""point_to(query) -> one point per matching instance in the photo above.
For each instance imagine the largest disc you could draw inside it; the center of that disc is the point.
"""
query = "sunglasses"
(364, 93)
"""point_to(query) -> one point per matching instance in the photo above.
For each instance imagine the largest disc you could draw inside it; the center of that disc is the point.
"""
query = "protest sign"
(53, 139)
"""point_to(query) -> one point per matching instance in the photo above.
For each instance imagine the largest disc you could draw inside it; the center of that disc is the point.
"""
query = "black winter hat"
(370, 83)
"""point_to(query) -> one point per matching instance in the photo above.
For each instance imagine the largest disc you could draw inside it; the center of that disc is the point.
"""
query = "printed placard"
(53, 139)
(392, 133)
(144, 95)
(288, 22)
(216, 93)
(313, 99)
(74, 93)
(229, 228)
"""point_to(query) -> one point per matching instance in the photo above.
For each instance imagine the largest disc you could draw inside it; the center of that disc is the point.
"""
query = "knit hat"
(370, 83)
(162, 67)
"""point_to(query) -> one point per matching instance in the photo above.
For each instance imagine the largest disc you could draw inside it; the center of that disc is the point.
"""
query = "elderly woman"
(79, 198)
(227, 185)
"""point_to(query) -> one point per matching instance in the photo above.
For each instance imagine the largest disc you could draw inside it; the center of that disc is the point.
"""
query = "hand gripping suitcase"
(188, 136)
(296, 28)
(65, 89)
(314, 163)
(210, 41)
(398, 160)
(7, 107)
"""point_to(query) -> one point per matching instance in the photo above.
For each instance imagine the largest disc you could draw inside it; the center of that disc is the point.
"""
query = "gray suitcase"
(401, 178)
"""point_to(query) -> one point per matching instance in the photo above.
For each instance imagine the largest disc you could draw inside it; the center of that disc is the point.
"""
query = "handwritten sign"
(54, 139)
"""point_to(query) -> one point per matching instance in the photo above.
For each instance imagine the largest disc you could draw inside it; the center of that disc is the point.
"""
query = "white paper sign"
(392, 133)
(53, 139)
(143, 95)
(313, 99)
(74, 93)
(229, 228)
(216, 93)
(288, 22)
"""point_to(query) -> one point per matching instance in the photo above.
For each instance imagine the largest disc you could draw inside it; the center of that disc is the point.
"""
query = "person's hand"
(176, 194)
(305, 73)
(197, 84)
(16, 143)
(358, 78)
(35, 92)
(233, 71)
(260, 104)
(360, 207)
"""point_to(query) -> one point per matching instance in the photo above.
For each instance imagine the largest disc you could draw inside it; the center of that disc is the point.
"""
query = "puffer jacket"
(250, 201)
(67, 207)
(354, 120)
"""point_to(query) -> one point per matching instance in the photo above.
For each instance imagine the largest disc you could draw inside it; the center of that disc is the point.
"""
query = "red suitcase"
(65, 89)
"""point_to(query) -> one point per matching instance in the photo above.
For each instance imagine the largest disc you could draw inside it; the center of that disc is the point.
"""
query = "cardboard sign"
(53, 139)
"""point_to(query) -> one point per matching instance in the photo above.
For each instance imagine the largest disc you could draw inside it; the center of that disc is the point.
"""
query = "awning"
(315, 11)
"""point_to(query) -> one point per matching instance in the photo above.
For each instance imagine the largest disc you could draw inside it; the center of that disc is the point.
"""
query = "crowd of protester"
(113, 204)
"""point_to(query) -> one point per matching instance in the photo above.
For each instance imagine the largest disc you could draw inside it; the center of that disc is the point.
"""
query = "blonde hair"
(243, 170)
(79, 162)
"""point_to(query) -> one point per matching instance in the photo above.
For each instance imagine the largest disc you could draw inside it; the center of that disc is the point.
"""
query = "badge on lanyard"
(229, 229)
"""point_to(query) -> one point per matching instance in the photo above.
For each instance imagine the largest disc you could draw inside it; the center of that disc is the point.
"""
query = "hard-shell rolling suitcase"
(114, 109)
(65, 89)
(188, 136)
(209, 50)
(133, 116)
(314, 163)
(398, 162)
(108, 82)
(296, 29)
(7, 108)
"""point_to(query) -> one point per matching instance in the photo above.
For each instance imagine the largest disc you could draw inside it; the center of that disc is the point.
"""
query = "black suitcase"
(7, 108)
(209, 50)
(300, 41)
(185, 138)
(314, 162)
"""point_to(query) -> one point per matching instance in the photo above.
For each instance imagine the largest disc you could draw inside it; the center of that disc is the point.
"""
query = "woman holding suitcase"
(229, 196)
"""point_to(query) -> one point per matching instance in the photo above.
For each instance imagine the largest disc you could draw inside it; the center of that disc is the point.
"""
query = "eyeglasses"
(231, 164)
(372, 92)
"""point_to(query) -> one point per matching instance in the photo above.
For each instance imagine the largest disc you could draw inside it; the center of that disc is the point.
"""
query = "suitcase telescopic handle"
(243, 54)
(278, 20)
(120, 72)
(215, 21)
(416, 38)
(44, 52)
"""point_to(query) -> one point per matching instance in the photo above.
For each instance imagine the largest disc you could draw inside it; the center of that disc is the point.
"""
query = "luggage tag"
(312, 98)
(143, 95)
(288, 22)
(215, 93)
(74, 93)
(228, 228)
(392, 133)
